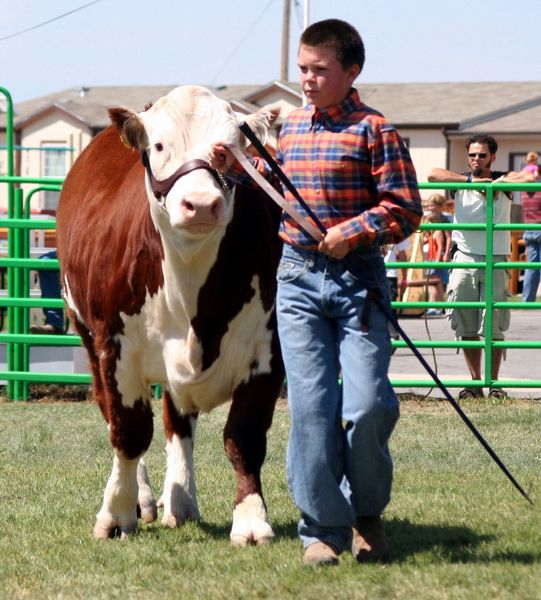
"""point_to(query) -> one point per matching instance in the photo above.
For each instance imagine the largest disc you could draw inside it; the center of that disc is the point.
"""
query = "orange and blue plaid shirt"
(353, 169)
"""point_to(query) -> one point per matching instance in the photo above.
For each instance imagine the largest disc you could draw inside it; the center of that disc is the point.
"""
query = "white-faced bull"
(169, 276)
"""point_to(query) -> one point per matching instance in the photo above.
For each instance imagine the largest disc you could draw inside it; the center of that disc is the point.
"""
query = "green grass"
(458, 527)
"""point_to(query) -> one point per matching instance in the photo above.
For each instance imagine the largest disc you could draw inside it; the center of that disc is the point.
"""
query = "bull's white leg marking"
(68, 298)
(179, 494)
(145, 497)
(119, 509)
(250, 523)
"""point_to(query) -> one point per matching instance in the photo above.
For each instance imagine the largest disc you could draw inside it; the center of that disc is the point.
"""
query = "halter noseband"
(162, 188)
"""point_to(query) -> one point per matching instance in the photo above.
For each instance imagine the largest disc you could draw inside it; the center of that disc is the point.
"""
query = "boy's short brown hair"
(339, 35)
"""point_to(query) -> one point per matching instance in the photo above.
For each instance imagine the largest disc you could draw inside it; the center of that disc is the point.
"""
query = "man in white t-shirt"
(468, 285)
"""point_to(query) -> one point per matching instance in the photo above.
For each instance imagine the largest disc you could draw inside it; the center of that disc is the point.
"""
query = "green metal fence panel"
(18, 264)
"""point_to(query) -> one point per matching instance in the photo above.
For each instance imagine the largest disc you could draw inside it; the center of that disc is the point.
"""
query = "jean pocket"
(289, 270)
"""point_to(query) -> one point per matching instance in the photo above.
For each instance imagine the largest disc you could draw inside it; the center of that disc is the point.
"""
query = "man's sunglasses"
(479, 154)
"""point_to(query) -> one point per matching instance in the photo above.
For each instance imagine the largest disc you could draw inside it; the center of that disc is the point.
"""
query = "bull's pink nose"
(201, 208)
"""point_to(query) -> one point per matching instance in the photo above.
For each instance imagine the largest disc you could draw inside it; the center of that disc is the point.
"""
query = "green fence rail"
(18, 264)
(487, 344)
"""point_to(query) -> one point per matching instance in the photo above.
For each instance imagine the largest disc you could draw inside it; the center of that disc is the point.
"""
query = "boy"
(352, 168)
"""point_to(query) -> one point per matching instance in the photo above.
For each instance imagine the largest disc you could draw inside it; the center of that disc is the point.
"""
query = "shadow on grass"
(450, 543)
(443, 543)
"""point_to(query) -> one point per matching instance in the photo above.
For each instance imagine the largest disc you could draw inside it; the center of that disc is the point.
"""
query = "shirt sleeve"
(397, 210)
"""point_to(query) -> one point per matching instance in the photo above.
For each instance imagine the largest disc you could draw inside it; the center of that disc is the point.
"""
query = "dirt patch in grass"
(55, 393)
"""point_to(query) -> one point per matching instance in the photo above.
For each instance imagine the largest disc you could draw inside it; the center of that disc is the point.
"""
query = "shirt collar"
(335, 113)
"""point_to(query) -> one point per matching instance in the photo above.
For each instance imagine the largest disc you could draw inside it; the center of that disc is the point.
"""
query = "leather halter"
(163, 187)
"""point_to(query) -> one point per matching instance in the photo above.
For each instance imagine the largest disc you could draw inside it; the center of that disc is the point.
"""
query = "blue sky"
(215, 42)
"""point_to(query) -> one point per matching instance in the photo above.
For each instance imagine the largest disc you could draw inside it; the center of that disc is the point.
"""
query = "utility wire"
(242, 40)
(12, 35)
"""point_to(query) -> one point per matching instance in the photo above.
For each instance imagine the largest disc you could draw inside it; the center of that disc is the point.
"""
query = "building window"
(53, 165)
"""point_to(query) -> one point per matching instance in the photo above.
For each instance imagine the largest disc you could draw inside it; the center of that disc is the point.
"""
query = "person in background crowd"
(434, 247)
(395, 253)
(49, 283)
(531, 205)
(435, 205)
(339, 465)
(468, 285)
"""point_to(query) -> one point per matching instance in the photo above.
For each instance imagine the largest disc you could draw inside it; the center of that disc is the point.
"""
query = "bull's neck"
(187, 268)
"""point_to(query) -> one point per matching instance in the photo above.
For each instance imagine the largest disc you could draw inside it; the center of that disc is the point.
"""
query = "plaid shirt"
(353, 170)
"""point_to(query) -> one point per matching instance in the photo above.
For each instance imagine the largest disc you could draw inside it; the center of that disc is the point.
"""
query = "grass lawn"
(458, 527)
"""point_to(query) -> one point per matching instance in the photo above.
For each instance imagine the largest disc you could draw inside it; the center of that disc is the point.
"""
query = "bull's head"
(174, 135)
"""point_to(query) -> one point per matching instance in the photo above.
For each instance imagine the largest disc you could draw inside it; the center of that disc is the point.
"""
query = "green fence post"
(489, 283)
(11, 196)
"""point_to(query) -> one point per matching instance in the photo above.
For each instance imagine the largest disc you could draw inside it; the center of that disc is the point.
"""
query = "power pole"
(286, 16)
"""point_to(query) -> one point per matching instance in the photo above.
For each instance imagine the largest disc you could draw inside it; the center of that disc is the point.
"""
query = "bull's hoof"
(172, 521)
(242, 540)
(148, 513)
(238, 539)
(250, 525)
(102, 532)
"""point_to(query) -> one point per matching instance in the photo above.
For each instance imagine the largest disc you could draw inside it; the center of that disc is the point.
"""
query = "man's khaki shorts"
(469, 285)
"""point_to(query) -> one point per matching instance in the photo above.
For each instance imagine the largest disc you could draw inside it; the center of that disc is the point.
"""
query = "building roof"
(454, 105)
(497, 107)
(467, 106)
(89, 104)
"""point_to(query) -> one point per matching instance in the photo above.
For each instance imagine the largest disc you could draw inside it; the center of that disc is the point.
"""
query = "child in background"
(395, 253)
(434, 250)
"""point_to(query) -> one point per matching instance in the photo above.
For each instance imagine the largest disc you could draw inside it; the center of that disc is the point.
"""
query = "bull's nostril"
(215, 208)
(201, 208)
(188, 206)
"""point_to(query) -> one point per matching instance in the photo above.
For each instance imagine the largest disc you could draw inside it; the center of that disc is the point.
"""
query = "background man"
(469, 285)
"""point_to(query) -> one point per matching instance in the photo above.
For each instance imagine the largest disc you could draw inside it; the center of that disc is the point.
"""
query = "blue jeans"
(531, 276)
(338, 462)
(49, 282)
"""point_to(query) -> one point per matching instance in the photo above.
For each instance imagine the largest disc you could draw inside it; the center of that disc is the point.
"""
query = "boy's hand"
(220, 157)
(334, 244)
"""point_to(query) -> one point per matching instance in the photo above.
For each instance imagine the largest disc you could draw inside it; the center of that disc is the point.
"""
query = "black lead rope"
(374, 296)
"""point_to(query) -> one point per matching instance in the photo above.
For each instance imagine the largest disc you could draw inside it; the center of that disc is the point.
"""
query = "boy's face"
(323, 80)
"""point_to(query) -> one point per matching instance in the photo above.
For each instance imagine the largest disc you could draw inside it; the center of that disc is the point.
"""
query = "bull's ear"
(261, 121)
(130, 126)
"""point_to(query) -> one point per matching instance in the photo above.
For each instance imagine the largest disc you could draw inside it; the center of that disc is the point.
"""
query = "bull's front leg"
(179, 498)
(130, 432)
(245, 440)
(118, 514)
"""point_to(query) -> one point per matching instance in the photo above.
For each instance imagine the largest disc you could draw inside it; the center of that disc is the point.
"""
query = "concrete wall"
(428, 150)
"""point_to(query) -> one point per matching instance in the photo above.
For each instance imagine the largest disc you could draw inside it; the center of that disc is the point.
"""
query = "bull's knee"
(131, 429)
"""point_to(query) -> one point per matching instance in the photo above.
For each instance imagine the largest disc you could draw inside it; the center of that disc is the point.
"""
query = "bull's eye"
(158, 147)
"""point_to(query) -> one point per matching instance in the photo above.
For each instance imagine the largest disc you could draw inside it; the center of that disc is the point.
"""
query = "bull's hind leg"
(146, 502)
(179, 498)
(245, 439)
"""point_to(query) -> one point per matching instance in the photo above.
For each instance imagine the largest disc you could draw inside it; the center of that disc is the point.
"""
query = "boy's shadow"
(454, 544)
(450, 543)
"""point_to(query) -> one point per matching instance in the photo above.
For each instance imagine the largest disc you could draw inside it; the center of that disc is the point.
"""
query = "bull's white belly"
(160, 345)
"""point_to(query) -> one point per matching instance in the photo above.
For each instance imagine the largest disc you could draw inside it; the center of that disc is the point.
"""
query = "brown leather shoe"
(369, 541)
(46, 329)
(320, 554)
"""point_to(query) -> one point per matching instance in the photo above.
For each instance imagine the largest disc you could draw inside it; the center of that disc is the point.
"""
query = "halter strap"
(163, 187)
